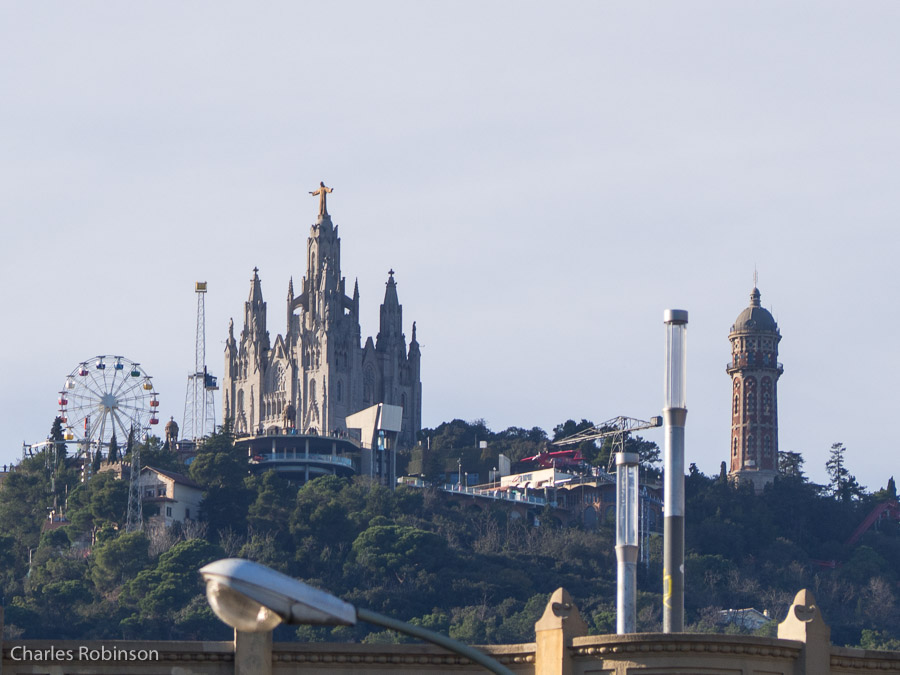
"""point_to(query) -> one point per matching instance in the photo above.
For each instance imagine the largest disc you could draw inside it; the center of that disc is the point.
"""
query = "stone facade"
(319, 372)
(754, 371)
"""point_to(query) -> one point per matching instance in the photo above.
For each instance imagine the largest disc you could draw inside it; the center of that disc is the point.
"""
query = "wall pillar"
(805, 624)
(553, 634)
(253, 653)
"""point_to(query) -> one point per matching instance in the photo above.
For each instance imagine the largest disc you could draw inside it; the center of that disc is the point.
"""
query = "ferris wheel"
(107, 396)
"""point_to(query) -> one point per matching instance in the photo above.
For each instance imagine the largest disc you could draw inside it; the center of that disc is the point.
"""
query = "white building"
(176, 497)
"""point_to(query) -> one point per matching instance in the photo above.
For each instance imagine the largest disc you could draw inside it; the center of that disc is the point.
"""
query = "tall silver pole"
(674, 414)
(626, 541)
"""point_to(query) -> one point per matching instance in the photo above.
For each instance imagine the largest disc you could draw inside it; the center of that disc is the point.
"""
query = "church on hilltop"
(754, 371)
(310, 379)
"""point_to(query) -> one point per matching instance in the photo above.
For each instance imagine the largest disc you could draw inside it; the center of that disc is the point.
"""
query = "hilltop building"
(309, 380)
(754, 371)
(169, 497)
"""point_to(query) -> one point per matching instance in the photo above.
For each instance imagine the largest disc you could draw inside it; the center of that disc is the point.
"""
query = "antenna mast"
(199, 404)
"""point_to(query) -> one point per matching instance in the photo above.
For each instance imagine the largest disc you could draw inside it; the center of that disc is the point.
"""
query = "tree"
(95, 464)
(113, 455)
(887, 493)
(790, 465)
(399, 551)
(58, 438)
(101, 502)
(570, 427)
(118, 560)
(842, 483)
(171, 585)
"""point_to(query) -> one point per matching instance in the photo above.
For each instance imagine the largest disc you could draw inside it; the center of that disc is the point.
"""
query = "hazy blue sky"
(544, 178)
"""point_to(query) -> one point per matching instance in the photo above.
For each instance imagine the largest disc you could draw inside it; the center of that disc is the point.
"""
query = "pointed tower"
(390, 328)
(310, 380)
(326, 332)
(255, 314)
(754, 371)
(246, 363)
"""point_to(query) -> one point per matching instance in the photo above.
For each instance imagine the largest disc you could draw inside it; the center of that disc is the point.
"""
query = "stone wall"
(561, 648)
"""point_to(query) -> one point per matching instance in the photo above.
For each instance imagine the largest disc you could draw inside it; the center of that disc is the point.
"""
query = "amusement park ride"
(104, 397)
(618, 428)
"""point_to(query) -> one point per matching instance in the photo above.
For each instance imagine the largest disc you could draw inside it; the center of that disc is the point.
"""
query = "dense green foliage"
(480, 576)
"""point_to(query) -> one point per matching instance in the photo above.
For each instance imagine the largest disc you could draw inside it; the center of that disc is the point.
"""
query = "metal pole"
(626, 541)
(430, 636)
(674, 414)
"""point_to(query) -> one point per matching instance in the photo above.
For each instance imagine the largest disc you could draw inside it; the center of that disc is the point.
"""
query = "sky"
(544, 178)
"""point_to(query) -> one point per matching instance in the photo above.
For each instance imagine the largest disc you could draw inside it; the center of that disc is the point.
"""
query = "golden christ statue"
(321, 192)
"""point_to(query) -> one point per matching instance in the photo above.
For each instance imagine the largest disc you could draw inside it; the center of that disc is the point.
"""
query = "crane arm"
(613, 427)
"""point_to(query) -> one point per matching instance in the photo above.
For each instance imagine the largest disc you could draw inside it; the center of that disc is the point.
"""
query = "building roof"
(177, 477)
(755, 317)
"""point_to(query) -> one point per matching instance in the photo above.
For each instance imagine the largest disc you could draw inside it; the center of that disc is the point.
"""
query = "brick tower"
(754, 371)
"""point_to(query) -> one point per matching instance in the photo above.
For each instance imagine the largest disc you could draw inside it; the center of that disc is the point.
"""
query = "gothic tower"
(318, 373)
(754, 371)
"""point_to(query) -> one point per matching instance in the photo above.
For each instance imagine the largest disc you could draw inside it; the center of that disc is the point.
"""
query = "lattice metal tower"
(135, 520)
(199, 404)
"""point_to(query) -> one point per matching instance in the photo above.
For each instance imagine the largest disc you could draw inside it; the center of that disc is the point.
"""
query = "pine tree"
(58, 438)
(95, 465)
(790, 465)
(113, 455)
(843, 484)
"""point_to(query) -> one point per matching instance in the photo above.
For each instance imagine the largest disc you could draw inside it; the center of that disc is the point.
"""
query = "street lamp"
(253, 598)
(675, 414)
(626, 540)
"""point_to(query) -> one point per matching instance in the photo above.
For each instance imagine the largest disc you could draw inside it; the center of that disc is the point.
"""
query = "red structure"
(889, 509)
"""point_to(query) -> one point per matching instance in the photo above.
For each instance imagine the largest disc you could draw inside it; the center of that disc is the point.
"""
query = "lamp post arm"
(430, 636)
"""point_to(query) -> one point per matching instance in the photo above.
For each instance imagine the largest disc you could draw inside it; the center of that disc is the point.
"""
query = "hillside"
(481, 576)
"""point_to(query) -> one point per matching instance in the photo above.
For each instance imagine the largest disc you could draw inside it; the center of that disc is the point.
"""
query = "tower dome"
(754, 371)
(755, 317)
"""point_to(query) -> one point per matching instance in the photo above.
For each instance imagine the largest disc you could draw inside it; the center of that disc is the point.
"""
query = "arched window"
(735, 450)
(750, 397)
(312, 389)
(339, 392)
(751, 447)
(767, 397)
(767, 447)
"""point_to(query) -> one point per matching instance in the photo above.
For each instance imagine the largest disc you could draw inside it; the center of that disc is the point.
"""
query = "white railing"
(508, 496)
(302, 457)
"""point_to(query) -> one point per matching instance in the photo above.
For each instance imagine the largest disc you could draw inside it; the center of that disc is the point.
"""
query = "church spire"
(390, 293)
(255, 287)
(255, 312)
(391, 325)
